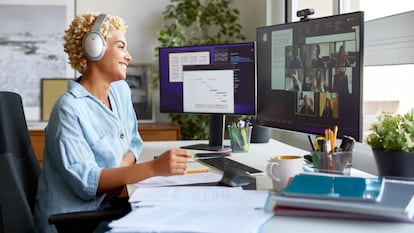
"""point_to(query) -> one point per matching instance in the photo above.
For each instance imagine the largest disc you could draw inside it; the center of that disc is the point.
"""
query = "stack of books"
(331, 196)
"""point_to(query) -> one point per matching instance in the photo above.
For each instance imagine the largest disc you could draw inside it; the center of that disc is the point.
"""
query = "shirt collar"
(76, 89)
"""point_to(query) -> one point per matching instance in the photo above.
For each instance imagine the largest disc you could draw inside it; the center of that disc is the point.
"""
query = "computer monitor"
(309, 75)
(215, 79)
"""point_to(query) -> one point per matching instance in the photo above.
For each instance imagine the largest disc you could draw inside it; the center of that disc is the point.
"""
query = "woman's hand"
(172, 162)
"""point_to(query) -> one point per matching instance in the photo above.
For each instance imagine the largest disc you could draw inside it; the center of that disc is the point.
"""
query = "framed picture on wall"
(31, 44)
(51, 89)
(139, 80)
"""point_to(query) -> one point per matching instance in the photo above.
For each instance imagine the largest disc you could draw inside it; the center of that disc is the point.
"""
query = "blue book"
(336, 187)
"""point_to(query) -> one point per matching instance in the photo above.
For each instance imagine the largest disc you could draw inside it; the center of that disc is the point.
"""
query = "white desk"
(257, 157)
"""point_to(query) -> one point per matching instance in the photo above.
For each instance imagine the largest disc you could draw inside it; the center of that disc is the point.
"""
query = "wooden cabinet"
(148, 132)
(38, 142)
(159, 132)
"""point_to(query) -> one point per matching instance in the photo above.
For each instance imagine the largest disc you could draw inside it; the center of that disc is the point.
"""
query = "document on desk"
(188, 193)
(191, 178)
(206, 197)
(185, 219)
(195, 209)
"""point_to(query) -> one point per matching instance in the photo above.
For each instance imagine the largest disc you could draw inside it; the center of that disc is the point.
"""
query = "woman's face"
(116, 58)
(318, 74)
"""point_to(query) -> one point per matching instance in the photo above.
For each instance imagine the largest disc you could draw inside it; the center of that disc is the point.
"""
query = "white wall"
(143, 17)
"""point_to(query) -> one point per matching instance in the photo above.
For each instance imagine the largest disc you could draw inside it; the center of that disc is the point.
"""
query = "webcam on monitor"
(304, 13)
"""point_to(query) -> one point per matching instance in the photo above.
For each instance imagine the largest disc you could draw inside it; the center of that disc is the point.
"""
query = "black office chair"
(19, 172)
(19, 168)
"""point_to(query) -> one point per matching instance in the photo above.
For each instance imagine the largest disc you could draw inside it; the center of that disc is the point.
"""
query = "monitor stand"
(216, 134)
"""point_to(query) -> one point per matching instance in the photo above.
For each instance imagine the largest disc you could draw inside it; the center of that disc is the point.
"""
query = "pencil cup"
(337, 162)
(240, 138)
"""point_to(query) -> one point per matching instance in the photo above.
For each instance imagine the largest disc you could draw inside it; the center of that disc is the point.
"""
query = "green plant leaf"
(191, 22)
(392, 132)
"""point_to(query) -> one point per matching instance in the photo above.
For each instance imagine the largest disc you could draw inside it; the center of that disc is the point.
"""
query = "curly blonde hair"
(81, 25)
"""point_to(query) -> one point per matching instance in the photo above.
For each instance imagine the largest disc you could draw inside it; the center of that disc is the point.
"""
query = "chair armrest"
(85, 221)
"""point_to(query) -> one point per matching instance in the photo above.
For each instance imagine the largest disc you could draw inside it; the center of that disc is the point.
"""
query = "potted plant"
(392, 142)
(197, 22)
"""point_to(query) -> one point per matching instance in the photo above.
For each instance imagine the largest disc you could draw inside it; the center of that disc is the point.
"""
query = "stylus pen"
(194, 158)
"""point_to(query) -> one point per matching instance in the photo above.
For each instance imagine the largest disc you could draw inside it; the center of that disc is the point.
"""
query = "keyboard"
(222, 163)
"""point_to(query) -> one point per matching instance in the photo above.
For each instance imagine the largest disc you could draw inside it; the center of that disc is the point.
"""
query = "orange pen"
(335, 134)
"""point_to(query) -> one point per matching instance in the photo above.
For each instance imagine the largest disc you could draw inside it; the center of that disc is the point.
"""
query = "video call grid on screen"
(241, 58)
(303, 67)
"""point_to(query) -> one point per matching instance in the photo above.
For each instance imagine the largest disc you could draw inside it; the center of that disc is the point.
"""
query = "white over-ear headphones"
(93, 43)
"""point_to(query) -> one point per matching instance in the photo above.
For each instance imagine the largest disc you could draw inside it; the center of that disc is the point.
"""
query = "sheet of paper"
(181, 219)
(188, 193)
(194, 209)
(251, 199)
(191, 178)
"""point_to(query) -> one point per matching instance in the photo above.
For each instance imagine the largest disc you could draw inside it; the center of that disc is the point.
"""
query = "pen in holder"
(332, 162)
(240, 137)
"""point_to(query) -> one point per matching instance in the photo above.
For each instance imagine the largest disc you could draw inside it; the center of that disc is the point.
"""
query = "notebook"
(336, 187)
(397, 202)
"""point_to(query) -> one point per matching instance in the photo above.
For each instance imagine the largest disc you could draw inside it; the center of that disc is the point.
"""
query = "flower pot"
(260, 134)
(394, 163)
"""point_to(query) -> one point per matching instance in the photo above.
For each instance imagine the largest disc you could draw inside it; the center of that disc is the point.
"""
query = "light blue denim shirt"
(83, 137)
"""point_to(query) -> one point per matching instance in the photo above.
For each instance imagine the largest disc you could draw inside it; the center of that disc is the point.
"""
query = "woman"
(327, 111)
(296, 85)
(317, 60)
(92, 141)
(342, 59)
(317, 82)
(341, 81)
(307, 107)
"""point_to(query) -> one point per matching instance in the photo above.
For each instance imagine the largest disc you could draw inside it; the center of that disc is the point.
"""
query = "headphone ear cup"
(93, 46)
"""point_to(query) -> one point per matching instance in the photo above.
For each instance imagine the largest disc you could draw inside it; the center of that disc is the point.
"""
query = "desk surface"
(256, 157)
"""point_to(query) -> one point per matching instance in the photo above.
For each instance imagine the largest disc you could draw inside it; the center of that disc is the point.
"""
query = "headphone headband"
(98, 23)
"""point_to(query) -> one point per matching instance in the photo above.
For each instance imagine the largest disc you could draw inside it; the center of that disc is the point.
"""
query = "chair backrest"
(19, 168)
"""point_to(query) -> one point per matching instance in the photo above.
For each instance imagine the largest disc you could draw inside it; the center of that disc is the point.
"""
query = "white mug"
(281, 168)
